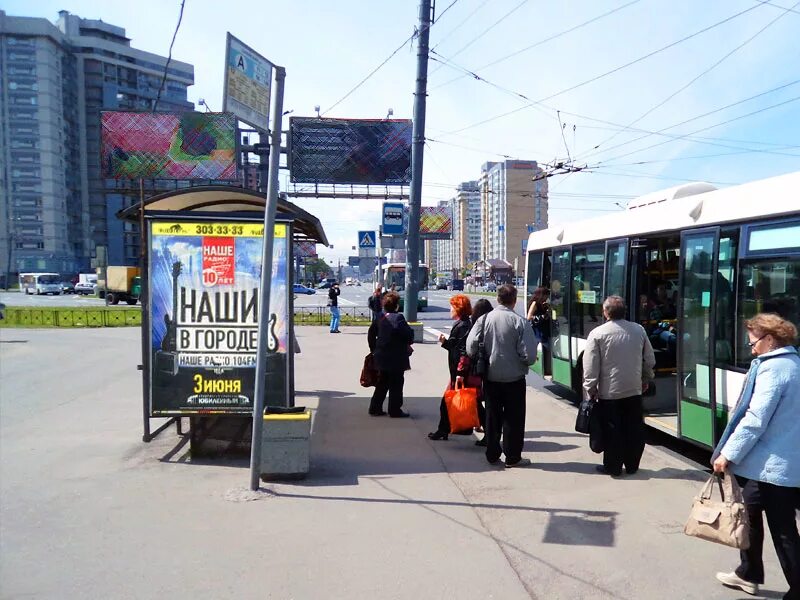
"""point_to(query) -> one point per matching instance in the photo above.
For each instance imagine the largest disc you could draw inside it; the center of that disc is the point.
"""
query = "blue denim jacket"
(762, 439)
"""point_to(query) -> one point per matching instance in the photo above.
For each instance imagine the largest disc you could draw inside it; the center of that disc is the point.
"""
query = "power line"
(169, 57)
(612, 71)
(487, 30)
(660, 131)
(750, 114)
(695, 79)
(457, 27)
(542, 41)
(388, 58)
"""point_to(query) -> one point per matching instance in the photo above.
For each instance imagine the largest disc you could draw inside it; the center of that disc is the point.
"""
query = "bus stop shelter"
(200, 263)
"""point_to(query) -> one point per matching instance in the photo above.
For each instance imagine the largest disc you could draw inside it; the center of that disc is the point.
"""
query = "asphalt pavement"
(89, 511)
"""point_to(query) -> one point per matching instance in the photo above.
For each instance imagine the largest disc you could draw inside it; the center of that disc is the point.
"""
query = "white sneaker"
(733, 580)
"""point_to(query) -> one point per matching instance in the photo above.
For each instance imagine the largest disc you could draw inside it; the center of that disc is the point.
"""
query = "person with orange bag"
(456, 346)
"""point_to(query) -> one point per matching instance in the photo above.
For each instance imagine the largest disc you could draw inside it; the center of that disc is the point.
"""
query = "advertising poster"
(354, 151)
(248, 77)
(190, 145)
(204, 292)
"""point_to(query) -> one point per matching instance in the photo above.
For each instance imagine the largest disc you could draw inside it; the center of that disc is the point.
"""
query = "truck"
(124, 283)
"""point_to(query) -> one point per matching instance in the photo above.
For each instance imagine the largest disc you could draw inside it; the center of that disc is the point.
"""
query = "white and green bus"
(394, 274)
(692, 263)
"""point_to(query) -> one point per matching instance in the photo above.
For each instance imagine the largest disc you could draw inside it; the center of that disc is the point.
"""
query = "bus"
(40, 283)
(692, 263)
(395, 274)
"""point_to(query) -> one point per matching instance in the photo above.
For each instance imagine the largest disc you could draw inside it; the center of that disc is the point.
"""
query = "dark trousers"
(779, 505)
(444, 420)
(392, 382)
(623, 434)
(505, 416)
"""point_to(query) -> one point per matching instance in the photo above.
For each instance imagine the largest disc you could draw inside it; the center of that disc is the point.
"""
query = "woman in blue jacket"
(761, 447)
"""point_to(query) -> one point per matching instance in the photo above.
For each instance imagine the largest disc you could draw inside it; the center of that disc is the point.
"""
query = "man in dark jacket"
(390, 339)
(333, 303)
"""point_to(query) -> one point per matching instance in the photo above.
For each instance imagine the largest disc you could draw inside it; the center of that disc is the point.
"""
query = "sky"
(637, 95)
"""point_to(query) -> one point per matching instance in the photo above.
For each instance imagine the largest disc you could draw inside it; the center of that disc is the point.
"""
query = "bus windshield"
(48, 279)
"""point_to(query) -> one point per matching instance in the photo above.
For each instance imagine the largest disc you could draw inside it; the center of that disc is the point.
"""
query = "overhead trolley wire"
(690, 83)
(388, 58)
(612, 71)
(540, 42)
(457, 27)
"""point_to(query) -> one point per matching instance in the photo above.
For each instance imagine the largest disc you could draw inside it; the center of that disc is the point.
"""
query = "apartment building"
(512, 205)
(55, 206)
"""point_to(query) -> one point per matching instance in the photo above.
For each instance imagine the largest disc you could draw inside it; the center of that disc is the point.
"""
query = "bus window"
(767, 285)
(559, 302)
(616, 255)
(587, 289)
(533, 278)
(724, 330)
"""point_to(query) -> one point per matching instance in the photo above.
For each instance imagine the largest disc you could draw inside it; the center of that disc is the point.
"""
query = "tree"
(317, 268)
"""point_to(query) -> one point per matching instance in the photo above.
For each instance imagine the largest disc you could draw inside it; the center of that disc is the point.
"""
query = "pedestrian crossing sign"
(366, 239)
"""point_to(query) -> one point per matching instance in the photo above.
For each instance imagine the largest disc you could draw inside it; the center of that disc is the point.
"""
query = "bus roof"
(702, 207)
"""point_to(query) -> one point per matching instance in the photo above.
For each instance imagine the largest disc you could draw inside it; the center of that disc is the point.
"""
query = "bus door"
(696, 333)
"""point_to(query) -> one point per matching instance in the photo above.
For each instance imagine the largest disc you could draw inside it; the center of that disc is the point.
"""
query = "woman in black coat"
(456, 346)
(390, 339)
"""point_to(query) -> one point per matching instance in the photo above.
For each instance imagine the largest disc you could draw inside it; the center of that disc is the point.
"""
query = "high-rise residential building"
(513, 205)
(55, 206)
(467, 224)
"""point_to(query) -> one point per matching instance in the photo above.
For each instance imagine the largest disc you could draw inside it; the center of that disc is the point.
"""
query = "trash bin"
(286, 445)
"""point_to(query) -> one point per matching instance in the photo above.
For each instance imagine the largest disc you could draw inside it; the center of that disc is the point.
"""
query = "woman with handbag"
(456, 346)
(761, 448)
(390, 339)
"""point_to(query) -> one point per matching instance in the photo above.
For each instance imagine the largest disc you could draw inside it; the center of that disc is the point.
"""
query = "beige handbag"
(722, 521)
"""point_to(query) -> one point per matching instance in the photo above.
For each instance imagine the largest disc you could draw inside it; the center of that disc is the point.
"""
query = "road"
(435, 316)
(63, 300)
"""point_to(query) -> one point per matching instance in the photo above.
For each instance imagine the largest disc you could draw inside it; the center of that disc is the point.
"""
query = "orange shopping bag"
(462, 408)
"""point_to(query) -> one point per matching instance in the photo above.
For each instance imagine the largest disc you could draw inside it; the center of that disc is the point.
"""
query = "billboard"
(305, 249)
(350, 151)
(204, 291)
(190, 145)
(248, 77)
(435, 222)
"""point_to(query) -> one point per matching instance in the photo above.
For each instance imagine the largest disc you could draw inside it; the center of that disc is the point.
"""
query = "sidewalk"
(88, 511)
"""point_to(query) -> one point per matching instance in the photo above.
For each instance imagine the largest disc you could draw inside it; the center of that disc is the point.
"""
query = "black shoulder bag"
(481, 362)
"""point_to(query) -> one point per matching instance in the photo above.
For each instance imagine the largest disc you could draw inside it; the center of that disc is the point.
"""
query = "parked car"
(85, 288)
(441, 285)
(301, 289)
(491, 286)
(67, 287)
(458, 285)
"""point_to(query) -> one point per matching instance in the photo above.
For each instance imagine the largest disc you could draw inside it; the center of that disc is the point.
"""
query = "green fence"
(15, 316)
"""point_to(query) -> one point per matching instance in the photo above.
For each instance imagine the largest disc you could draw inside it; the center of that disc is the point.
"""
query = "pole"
(266, 278)
(418, 145)
(145, 302)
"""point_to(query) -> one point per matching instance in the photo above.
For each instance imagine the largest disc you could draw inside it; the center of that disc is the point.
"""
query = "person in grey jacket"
(761, 447)
(617, 368)
(510, 348)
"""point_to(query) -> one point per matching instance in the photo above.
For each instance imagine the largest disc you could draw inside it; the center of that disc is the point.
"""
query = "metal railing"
(15, 316)
(321, 315)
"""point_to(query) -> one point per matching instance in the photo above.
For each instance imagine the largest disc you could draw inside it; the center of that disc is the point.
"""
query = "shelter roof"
(228, 201)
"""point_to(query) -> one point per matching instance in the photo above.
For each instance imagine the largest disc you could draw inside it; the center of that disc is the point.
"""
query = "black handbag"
(480, 366)
(583, 421)
(596, 441)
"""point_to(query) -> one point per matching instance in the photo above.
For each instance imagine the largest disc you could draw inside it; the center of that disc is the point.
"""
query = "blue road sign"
(392, 218)
(366, 239)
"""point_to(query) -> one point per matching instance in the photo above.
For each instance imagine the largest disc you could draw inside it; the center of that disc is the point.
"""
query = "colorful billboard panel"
(204, 289)
(435, 223)
(168, 146)
(350, 151)
(305, 249)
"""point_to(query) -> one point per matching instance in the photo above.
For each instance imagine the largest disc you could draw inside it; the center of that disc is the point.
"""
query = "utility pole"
(418, 145)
